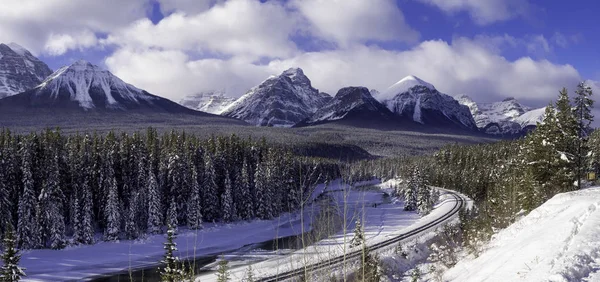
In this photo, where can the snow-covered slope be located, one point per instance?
(414, 98)
(282, 100)
(19, 70)
(351, 102)
(558, 241)
(506, 117)
(86, 87)
(213, 102)
(531, 118)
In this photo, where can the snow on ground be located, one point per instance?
(76, 263)
(383, 221)
(558, 241)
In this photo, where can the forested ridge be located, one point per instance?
(57, 189)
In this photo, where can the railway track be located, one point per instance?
(458, 205)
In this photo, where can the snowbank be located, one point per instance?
(559, 241)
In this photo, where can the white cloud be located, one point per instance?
(172, 74)
(463, 66)
(348, 21)
(484, 12)
(58, 44)
(237, 27)
(36, 24)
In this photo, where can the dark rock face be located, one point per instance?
(19, 70)
(282, 100)
(351, 103)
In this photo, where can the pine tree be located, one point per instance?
(583, 115)
(410, 192)
(223, 271)
(249, 274)
(172, 214)
(11, 272)
(263, 193)
(51, 198)
(194, 214)
(131, 229)
(229, 211)
(359, 235)
(369, 270)
(87, 230)
(211, 199)
(28, 236)
(171, 272)
(112, 211)
(247, 207)
(154, 210)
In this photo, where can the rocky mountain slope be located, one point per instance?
(213, 102)
(418, 100)
(282, 101)
(19, 70)
(351, 102)
(506, 117)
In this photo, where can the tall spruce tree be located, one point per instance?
(584, 117)
(154, 211)
(112, 211)
(227, 204)
(10, 272)
(28, 230)
(194, 206)
(171, 271)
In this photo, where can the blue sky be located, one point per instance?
(486, 49)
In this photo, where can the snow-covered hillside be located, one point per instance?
(414, 98)
(213, 102)
(506, 117)
(19, 70)
(282, 100)
(558, 241)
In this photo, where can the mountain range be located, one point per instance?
(28, 86)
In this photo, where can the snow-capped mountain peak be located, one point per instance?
(281, 100)
(508, 116)
(19, 70)
(405, 85)
(420, 101)
(18, 49)
(84, 82)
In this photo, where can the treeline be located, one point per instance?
(60, 189)
(509, 178)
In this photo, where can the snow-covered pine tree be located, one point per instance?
(28, 230)
(223, 271)
(10, 271)
(111, 208)
(211, 200)
(51, 199)
(410, 191)
(172, 214)
(131, 227)
(247, 207)
(359, 235)
(567, 139)
(87, 230)
(76, 218)
(194, 214)
(424, 202)
(171, 271)
(584, 117)
(263, 195)
(154, 211)
(227, 204)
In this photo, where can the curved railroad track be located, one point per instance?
(459, 203)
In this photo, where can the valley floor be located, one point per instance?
(558, 241)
